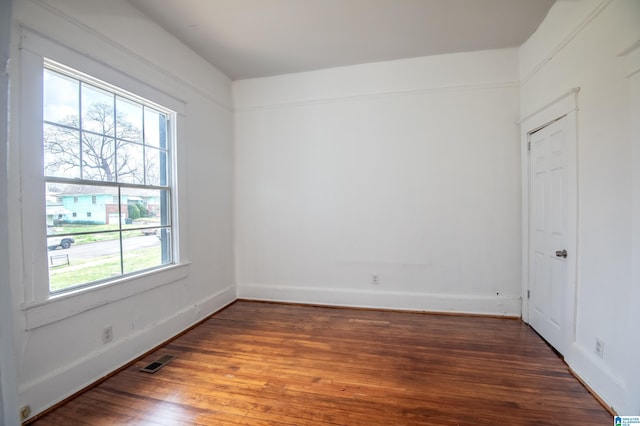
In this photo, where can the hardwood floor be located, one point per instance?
(270, 364)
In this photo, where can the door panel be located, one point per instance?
(548, 233)
(539, 273)
(557, 287)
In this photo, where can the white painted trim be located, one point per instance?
(379, 95)
(180, 190)
(559, 107)
(8, 362)
(74, 23)
(556, 106)
(45, 391)
(44, 46)
(427, 302)
(568, 39)
(32, 209)
(565, 105)
(632, 395)
(585, 365)
(40, 308)
(66, 305)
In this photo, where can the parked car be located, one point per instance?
(55, 242)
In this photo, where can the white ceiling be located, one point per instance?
(257, 38)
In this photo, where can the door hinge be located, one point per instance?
(528, 294)
(529, 146)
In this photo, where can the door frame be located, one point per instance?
(563, 106)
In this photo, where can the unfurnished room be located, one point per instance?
(320, 212)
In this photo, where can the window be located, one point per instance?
(128, 256)
(102, 144)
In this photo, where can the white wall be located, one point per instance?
(581, 44)
(407, 169)
(58, 359)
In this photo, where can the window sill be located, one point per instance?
(59, 307)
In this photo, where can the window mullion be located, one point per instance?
(144, 148)
(105, 183)
(116, 172)
(120, 232)
(80, 132)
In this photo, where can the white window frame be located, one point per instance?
(39, 306)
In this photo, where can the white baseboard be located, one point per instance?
(49, 390)
(468, 304)
(596, 374)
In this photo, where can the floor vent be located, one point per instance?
(158, 364)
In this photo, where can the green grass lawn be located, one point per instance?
(82, 272)
(92, 238)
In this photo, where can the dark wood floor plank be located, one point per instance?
(276, 364)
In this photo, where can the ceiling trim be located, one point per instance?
(568, 39)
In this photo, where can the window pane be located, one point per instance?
(85, 262)
(156, 167)
(128, 120)
(55, 210)
(97, 110)
(98, 159)
(130, 163)
(73, 202)
(155, 128)
(61, 151)
(146, 207)
(143, 251)
(60, 98)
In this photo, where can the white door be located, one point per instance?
(548, 224)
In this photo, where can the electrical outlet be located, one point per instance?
(375, 279)
(599, 349)
(107, 334)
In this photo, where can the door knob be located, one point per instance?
(561, 253)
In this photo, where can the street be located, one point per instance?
(104, 248)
